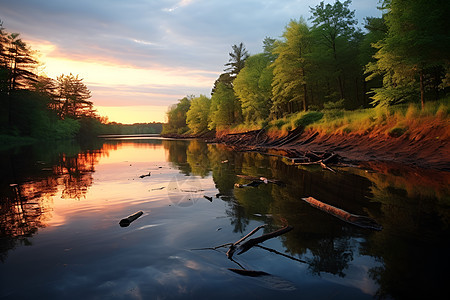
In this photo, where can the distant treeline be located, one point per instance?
(402, 57)
(44, 108)
(138, 128)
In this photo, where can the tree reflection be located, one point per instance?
(197, 158)
(177, 154)
(412, 206)
(30, 177)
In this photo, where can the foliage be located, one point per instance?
(308, 118)
(40, 107)
(225, 108)
(198, 114)
(73, 97)
(289, 70)
(137, 128)
(237, 60)
(334, 27)
(413, 56)
(176, 117)
(253, 87)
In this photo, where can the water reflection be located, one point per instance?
(412, 205)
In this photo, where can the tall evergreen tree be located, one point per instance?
(73, 97)
(237, 60)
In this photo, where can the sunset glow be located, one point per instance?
(119, 91)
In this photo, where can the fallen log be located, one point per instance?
(127, 221)
(358, 220)
(253, 242)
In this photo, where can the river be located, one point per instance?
(61, 204)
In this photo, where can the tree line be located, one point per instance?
(41, 107)
(401, 57)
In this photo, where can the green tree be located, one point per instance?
(333, 25)
(289, 85)
(414, 55)
(253, 87)
(176, 117)
(269, 45)
(20, 61)
(224, 78)
(198, 114)
(237, 60)
(73, 97)
(17, 72)
(225, 108)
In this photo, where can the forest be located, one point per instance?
(331, 71)
(37, 107)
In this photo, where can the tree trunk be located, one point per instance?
(364, 86)
(422, 92)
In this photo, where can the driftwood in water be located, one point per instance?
(361, 221)
(262, 179)
(253, 242)
(145, 175)
(233, 247)
(127, 221)
(311, 158)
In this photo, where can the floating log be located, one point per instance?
(145, 175)
(127, 221)
(361, 221)
(208, 198)
(160, 188)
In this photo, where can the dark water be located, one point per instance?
(61, 205)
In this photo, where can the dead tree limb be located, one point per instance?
(253, 242)
(233, 246)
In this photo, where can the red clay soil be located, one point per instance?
(425, 147)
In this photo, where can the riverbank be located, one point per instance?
(424, 147)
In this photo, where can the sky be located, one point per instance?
(138, 57)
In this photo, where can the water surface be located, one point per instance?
(61, 204)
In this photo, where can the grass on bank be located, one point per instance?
(394, 121)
